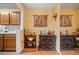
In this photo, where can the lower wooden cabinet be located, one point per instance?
(8, 42)
(1, 42)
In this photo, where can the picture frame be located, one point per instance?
(40, 20)
(65, 20)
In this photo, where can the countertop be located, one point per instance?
(9, 32)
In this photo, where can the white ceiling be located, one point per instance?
(40, 5)
(69, 5)
(51, 5)
(8, 6)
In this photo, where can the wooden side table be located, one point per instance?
(30, 41)
(77, 42)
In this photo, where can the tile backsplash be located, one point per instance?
(8, 28)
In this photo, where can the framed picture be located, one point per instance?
(40, 20)
(66, 20)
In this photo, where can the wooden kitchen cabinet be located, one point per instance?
(10, 42)
(7, 42)
(15, 18)
(1, 42)
(4, 18)
(10, 18)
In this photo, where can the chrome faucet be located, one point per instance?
(6, 29)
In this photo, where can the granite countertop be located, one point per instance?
(8, 32)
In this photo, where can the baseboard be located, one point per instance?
(21, 49)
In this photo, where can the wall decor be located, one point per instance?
(40, 20)
(66, 20)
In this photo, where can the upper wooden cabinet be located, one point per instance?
(15, 18)
(10, 18)
(4, 18)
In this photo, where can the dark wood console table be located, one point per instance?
(77, 41)
(30, 41)
(67, 42)
(47, 42)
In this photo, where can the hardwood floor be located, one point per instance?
(33, 51)
(70, 52)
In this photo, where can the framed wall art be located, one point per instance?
(65, 20)
(40, 20)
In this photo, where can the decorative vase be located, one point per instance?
(49, 33)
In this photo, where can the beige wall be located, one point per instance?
(22, 39)
(29, 21)
(75, 19)
(23, 10)
(51, 23)
(57, 25)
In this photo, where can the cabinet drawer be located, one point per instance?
(10, 35)
(11, 38)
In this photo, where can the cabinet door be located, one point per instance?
(10, 42)
(1, 42)
(4, 18)
(15, 18)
